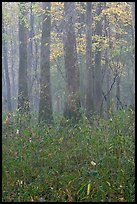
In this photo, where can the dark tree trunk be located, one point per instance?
(23, 100)
(6, 68)
(72, 103)
(98, 77)
(89, 71)
(45, 106)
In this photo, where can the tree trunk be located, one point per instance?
(133, 44)
(23, 100)
(89, 71)
(13, 74)
(98, 77)
(118, 91)
(45, 106)
(133, 15)
(72, 103)
(81, 19)
(106, 61)
(4, 106)
(5, 60)
(30, 56)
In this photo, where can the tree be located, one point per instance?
(5, 60)
(133, 15)
(45, 105)
(98, 77)
(133, 42)
(72, 103)
(23, 100)
(12, 72)
(106, 27)
(118, 92)
(30, 54)
(89, 94)
(107, 50)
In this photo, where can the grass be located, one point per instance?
(92, 161)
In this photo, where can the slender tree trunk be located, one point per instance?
(36, 62)
(45, 106)
(4, 107)
(118, 91)
(106, 61)
(81, 18)
(23, 99)
(133, 44)
(89, 71)
(5, 60)
(13, 74)
(133, 15)
(36, 84)
(72, 103)
(16, 67)
(97, 71)
(30, 55)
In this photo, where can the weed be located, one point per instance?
(84, 162)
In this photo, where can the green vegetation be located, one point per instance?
(90, 161)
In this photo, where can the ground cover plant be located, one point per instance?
(92, 160)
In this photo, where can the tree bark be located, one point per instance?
(98, 77)
(13, 74)
(45, 106)
(118, 91)
(6, 68)
(133, 15)
(72, 103)
(106, 61)
(4, 106)
(89, 71)
(133, 44)
(23, 99)
(30, 56)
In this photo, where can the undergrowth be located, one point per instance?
(90, 161)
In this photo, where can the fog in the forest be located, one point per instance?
(68, 101)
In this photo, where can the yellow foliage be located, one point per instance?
(80, 9)
(118, 11)
(81, 44)
(88, 188)
(57, 9)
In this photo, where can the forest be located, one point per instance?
(68, 101)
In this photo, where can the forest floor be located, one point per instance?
(91, 161)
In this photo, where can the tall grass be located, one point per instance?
(90, 161)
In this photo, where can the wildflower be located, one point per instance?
(17, 132)
(93, 163)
